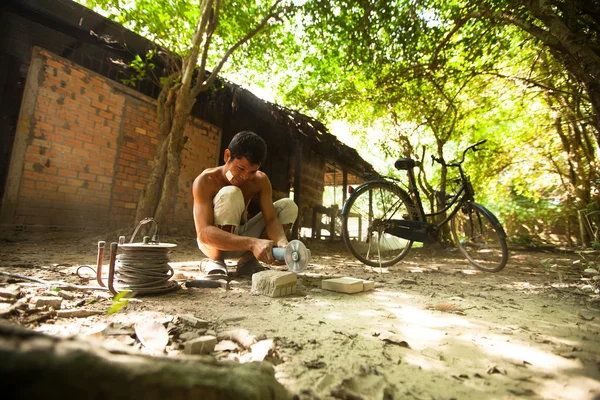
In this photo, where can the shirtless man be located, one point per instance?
(221, 198)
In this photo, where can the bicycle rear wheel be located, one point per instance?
(366, 217)
(480, 237)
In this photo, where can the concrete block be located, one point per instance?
(274, 283)
(347, 285)
(201, 345)
(50, 301)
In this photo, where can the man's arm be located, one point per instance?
(211, 236)
(273, 225)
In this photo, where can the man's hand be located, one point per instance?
(263, 250)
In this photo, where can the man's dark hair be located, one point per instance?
(250, 145)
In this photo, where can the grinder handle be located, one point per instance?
(279, 253)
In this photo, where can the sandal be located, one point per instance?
(249, 267)
(214, 269)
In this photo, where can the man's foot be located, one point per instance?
(249, 267)
(214, 269)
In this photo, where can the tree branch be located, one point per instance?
(272, 13)
(192, 58)
(212, 26)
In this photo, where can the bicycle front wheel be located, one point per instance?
(368, 213)
(480, 237)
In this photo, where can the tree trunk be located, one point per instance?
(148, 199)
(38, 366)
(173, 156)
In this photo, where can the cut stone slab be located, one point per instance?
(192, 321)
(368, 285)
(274, 283)
(50, 301)
(201, 345)
(347, 285)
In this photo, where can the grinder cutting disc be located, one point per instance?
(296, 256)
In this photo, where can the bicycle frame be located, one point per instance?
(464, 194)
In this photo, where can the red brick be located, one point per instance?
(44, 126)
(46, 186)
(81, 152)
(67, 173)
(75, 182)
(87, 177)
(74, 143)
(56, 179)
(83, 137)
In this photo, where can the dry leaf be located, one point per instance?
(153, 335)
(226, 345)
(261, 349)
(241, 336)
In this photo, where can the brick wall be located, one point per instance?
(84, 147)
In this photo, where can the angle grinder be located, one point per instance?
(295, 255)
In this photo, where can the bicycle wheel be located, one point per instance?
(366, 217)
(480, 237)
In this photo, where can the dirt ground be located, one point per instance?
(433, 327)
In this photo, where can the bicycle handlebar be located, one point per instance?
(456, 164)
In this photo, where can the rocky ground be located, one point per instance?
(433, 327)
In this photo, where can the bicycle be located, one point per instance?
(381, 220)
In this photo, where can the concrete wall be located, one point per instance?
(83, 151)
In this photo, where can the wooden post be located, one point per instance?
(297, 190)
(345, 185)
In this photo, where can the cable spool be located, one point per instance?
(143, 268)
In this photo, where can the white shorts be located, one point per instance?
(229, 207)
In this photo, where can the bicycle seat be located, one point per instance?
(404, 163)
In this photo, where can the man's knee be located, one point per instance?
(287, 210)
(229, 193)
(228, 206)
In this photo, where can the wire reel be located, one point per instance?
(142, 268)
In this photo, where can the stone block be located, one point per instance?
(201, 345)
(50, 301)
(274, 283)
(347, 285)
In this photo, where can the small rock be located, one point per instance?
(201, 345)
(185, 336)
(192, 321)
(66, 295)
(10, 292)
(50, 301)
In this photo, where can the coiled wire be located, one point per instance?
(143, 269)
